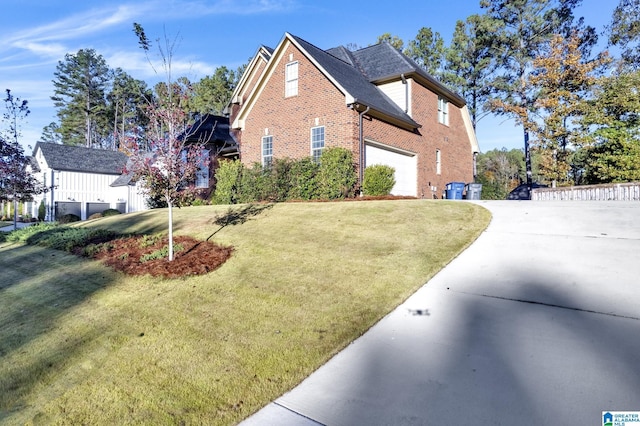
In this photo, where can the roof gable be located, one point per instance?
(338, 67)
(81, 159)
(383, 62)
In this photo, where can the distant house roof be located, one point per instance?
(80, 159)
(213, 130)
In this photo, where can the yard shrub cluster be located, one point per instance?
(378, 180)
(68, 218)
(59, 237)
(334, 177)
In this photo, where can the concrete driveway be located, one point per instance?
(537, 323)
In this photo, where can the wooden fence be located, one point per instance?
(604, 192)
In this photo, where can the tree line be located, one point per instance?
(536, 62)
(101, 107)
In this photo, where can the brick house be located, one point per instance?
(297, 99)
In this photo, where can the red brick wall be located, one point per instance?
(290, 119)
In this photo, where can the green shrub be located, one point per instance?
(68, 218)
(161, 253)
(95, 216)
(279, 180)
(149, 240)
(42, 211)
(252, 184)
(337, 174)
(228, 180)
(304, 185)
(378, 180)
(110, 212)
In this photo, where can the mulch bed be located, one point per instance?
(191, 256)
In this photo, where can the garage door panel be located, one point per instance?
(405, 166)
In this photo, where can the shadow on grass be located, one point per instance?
(32, 302)
(238, 216)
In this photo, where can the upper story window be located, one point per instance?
(443, 111)
(291, 79)
(267, 150)
(317, 143)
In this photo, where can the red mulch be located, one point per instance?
(196, 257)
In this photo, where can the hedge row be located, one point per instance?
(334, 177)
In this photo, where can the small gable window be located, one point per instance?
(291, 79)
(267, 150)
(443, 111)
(317, 143)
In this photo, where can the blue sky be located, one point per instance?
(36, 34)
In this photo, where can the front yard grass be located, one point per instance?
(83, 344)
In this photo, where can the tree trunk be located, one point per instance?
(170, 228)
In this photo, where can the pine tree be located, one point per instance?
(428, 50)
(470, 63)
(79, 95)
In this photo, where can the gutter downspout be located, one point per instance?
(406, 94)
(361, 146)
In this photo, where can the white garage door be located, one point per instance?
(404, 163)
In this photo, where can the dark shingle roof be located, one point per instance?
(213, 131)
(354, 81)
(81, 159)
(383, 61)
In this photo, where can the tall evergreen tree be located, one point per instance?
(79, 95)
(470, 63)
(393, 40)
(51, 133)
(212, 93)
(624, 32)
(126, 103)
(428, 51)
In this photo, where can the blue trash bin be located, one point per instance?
(454, 190)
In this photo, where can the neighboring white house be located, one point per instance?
(79, 181)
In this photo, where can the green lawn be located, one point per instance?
(82, 344)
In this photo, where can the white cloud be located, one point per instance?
(137, 65)
(45, 40)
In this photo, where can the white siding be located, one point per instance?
(86, 188)
(398, 92)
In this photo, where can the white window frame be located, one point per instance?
(267, 150)
(317, 142)
(291, 79)
(438, 162)
(443, 111)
